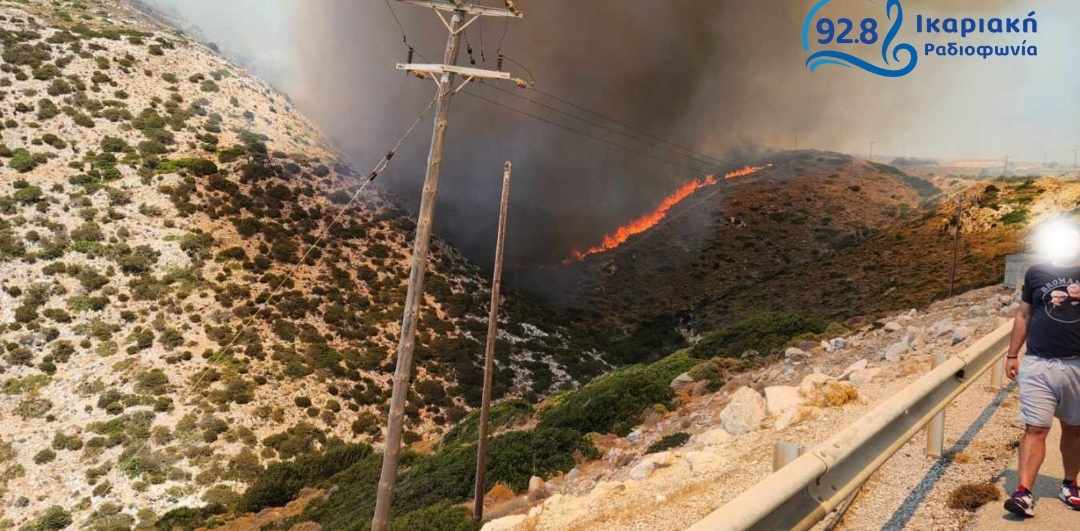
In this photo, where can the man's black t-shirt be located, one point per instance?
(1054, 294)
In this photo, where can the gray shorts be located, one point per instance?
(1049, 388)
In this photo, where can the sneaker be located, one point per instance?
(1021, 504)
(1070, 496)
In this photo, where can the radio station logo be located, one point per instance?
(876, 46)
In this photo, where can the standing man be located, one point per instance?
(1049, 373)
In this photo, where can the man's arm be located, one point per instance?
(1017, 339)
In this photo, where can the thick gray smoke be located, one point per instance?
(715, 76)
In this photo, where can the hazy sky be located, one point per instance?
(713, 75)
(954, 107)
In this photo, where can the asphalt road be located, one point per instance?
(1050, 513)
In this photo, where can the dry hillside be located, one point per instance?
(159, 342)
(815, 234)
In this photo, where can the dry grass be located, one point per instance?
(498, 494)
(971, 496)
(835, 394)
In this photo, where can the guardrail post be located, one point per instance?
(997, 374)
(935, 429)
(784, 453)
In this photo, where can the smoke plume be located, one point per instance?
(716, 77)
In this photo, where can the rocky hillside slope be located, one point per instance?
(160, 339)
(815, 235)
(716, 438)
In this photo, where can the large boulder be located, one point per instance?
(863, 376)
(811, 382)
(896, 351)
(960, 334)
(857, 366)
(781, 398)
(795, 415)
(712, 437)
(745, 412)
(650, 463)
(506, 523)
(942, 328)
(537, 489)
(794, 353)
(682, 381)
(835, 344)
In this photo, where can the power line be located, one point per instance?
(617, 122)
(631, 151)
(633, 136)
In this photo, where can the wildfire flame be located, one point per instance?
(650, 220)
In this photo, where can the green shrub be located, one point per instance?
(92, 280)
(112, 144)
(613, 402)
(88, 232)
(46, 455)
(713, 371)
(152, 382)
(11, 246)
(764, 332)
(187, 518)
(23, 161)
(199, 167)
(54, 517)
(1016, 217)
(446, 477)
(502, 415)
(296, 440)
(674, 440)
(47, 109)
(282, 481)
(438, 517)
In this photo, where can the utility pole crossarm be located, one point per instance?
(472, 9)
(462, 71)
(443, 75)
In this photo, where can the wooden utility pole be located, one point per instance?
(489, 348)
(443, 76)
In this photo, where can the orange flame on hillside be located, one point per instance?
(650, 220)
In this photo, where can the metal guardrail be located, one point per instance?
(809, 488)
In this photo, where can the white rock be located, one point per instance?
(704, 461)
(893, 326)
(781, 398)
(506, 523)
(712, 437)
(573, 474)
(681, 381)
(650, 463)
(857, 366)
(794, 352)
(835, 344)
(811, 382)
(960, 334)
(536, 511)
(794, 416)
(536, 485)
(634, 436)
(744, 413)
(863, 376)
(942, 328)
(896, 351)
